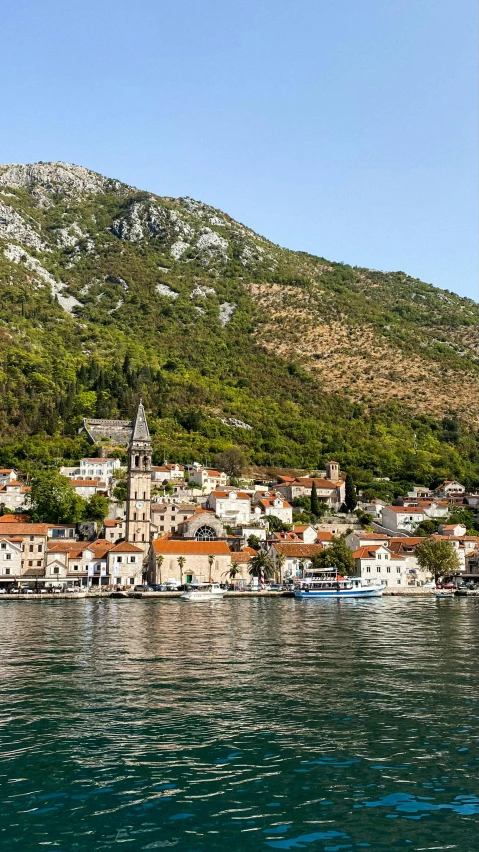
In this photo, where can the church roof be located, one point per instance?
(140, 426)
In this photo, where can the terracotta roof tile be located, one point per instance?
(191, 548)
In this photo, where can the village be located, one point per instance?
(187, 524)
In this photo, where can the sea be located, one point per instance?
(246, 724)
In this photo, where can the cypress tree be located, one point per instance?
(350, 496)
(314, 500)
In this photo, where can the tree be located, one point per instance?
(159, 563)
(314, 504)
(53, 500)
(119, 491)
(233, 461)
(181, 563)
(277, 525)
(438, 557)
(261, 563)
(96, 507)
(350, 496)
(337, 556)
(279, 561)
(254, 542)
(211, 560)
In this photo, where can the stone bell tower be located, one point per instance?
(138, 495)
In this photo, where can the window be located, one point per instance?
(4, 546)
(398, 570)
(379, 556)
(7, 570)
(30, 548)
(75, 567)
(368, 570)
(119, 559)
(40, 548)
(388, 569)
(162, 529)
(399, 582)
(162, 517)
(39, 562)
(32, 538)
(8, 556)
(30, 563)
(132, 558)
(378, 569)
(205, 533)
(55, 570)
(132, 581)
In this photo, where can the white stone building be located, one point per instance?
(232, 507)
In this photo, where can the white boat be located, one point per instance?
(335, 586)
(199, 592)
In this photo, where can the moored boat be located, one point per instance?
(335, 586)
(199, 592)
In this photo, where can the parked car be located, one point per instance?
(2, 591)
(157, 587)
(140, 588)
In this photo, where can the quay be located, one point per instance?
(413, 591)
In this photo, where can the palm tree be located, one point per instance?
(211, 559)
(159, 563)
(261, 563)
(181, 563)
(279, 561)
(233, 571)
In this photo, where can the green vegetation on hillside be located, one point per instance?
(150, 324)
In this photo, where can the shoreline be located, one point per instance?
(411, 592)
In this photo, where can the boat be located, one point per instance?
(335, 586)
(199, 592)
(445, 593)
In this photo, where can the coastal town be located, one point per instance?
(177, 524)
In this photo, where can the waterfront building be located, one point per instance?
(188, 560)
(292, 558)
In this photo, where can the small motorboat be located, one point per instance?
(445, 593)
(201, 592)
(335, 586)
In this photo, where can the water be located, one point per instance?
(242, 725)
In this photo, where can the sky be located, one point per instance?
(345, 128)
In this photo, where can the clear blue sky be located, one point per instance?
(346, 128)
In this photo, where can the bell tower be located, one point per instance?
(138, 494)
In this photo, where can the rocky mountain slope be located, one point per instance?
(108, 291)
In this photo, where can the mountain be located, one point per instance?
(109, 293)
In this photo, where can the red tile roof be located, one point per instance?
(26, 529)
(125, 547)
(191, 548)
(297, 549)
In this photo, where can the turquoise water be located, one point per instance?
(242, 725)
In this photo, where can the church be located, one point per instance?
(198, 549)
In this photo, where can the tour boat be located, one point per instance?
(335, 586)
(203, 592)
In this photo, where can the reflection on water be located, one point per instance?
(249, 724)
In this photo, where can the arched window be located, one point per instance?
(205, 533)
(146, 462)
(137, 461)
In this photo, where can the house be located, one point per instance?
(86, 488)
(407, 519)
(125, 564)
(247, 530)
(452, 529)
(330, 489)
(406, 547)
(306, 533)
(325, 537)
(33, 540)
(200, 560)
(167, 472)
(97, 563)
(273, 503)
(376, 562)
(233, 507)
(166, 517)
(14, 494)
(10, 560)
(358, 538)
(450, 488)
(207, 479)
(113, 529)
(241, 560)
(8, 474)
(292, 558)
(101, 469)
